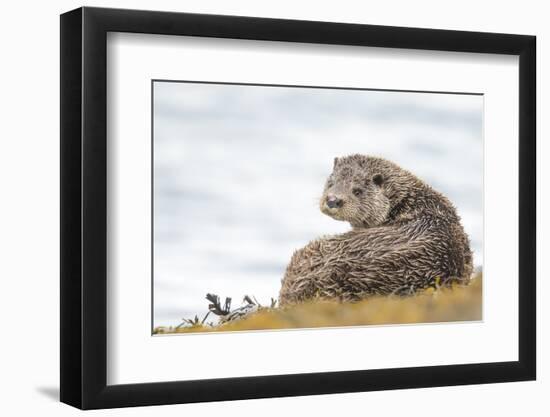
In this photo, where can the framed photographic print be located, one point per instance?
(258, 207)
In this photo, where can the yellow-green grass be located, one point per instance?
(458, 303)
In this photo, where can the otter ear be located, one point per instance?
(335, 162)
(378, 179)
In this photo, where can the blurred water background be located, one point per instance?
(238, 171)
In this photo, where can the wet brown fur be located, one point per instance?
(405, 237)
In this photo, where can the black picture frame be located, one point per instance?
(84, 207)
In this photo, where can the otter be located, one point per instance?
(405, 237)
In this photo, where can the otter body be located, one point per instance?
(405, 237)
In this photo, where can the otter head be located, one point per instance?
(356, 191)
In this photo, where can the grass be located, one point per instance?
(457, 303)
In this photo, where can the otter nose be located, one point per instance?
(334, 202)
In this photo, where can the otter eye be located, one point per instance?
(357, 192)
(329, 184)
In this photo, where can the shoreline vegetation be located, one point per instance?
(442, 304)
